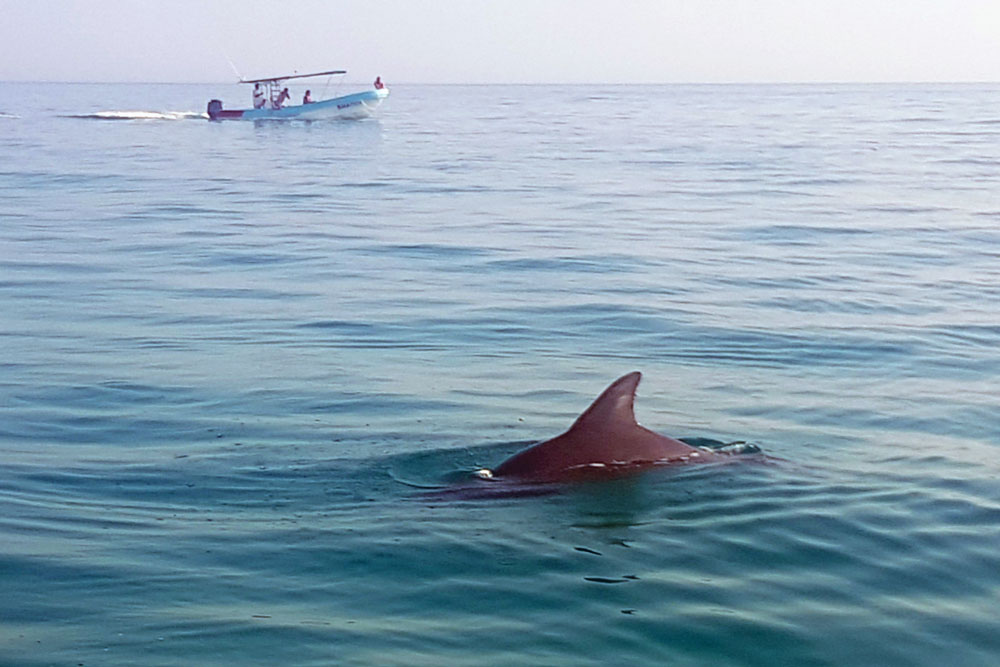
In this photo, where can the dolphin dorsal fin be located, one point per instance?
(614, 407)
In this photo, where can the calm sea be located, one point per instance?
(236, 357)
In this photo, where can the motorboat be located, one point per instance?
(271, 95)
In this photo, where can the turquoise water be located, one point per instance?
(241, 361)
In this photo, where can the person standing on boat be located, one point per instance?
(258, 96)
(284, 95)
(378, 83)
(307, 98)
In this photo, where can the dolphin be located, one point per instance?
(606, 437)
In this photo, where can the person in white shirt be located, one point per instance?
(258, 96)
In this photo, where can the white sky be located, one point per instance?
(481, 41)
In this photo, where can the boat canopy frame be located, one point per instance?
(274, 84)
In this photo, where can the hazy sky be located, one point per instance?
(480, 41)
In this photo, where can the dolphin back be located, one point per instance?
(606, 434)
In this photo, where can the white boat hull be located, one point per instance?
(354, 106)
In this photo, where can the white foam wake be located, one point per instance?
(142, 115)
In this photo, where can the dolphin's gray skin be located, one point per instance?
(605, 436)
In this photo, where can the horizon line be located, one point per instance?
(830, 82)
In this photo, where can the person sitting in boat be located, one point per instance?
(378, 83)
(307, 98)
(282, 96)
(258, 96)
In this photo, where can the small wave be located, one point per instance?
(6, 115)
(140, 115)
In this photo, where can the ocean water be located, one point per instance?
(241, 363)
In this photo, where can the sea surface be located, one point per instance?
(241, 364)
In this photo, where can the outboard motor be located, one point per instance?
(214, 109)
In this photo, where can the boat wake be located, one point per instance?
(4, 115)
(141, 115)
